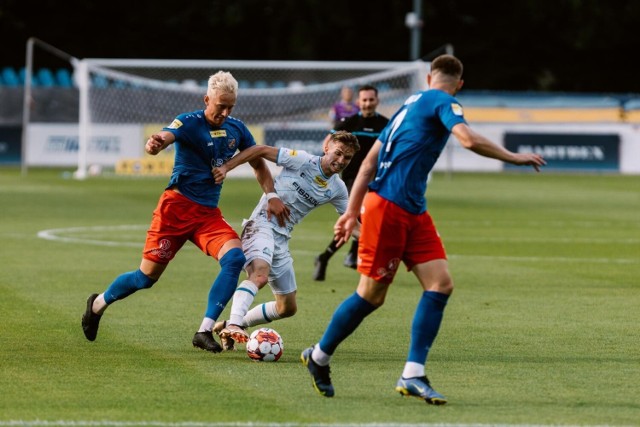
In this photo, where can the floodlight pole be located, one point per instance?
(413, 21)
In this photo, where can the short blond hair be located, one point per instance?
(222, 81)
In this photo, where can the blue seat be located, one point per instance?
(10, 77)
(98, 80)
(63, 77)
(45, 77)
(261, 84)
(278, 84)
(244, 84)
(22, 74)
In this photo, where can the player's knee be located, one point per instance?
(234, 260)
(287, 309)
(142, 281)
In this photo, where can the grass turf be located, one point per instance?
(541, 329)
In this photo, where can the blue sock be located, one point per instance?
(345, 320)
(225, 284)
(126, 284)
(425, 326)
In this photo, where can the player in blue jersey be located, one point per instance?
(188, 208)
(366, 125)
(396, 226)
(305, 183)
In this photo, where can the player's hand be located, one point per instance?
(344, 227)
(276, 207)
(154, 144)
(219, 173)
(530, 159)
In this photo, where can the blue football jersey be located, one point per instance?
(199, 147)
(411, 143)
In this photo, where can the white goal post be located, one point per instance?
(282, 102)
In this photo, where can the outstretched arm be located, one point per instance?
(248, 155)
(482, 146)
(158, 142)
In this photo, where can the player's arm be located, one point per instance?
(275, 206)
(348, 221)
(158, 142)
(477, 143)
(253, 155)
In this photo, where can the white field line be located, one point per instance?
(105, 423)
(66, 235)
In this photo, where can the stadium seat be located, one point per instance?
(45, 77)
(278, 84)
(244, 84)
(63, 77)
(99, 81)
(22, 74)
(10, 77)
(261, 84)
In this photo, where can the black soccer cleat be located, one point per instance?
(90, 320)
(320, 264)
(205, 341)
(320, 374)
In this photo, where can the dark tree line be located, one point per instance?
(539, 45)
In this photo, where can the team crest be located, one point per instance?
(232, 144)
(320, 181)
(175, 124)
(457, 109)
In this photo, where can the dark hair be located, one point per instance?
(347, 138)
(368, 87)
(447, 64)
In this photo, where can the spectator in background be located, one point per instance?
(188, 207)
(343, 108)
(366, 125)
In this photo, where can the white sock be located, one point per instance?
(263, 313)
(206, 325)
(242, 300)
(320, 357)
(412, 370)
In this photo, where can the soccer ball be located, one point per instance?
(265, 345)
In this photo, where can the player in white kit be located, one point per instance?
(305, 182)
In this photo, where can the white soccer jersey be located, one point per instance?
(302, 186)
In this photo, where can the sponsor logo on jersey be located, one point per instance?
(306, 196)
(175, 124)
(457, 109)
(221, 133)
(293, 153)
(320, 181)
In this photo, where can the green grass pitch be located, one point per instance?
(542, 329)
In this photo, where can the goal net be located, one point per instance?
(284, 103)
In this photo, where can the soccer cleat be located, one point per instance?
(90, 320)
(205, 341)
(234, 332)
(351, 260)
(320, 374)
(320, 264)
(227, 342)
(421, 388)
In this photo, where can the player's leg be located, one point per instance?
(283, 286)
(123, 286)
(160, 248)
(431, 268)
(321, 262)
(351, 259)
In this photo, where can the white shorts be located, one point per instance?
(259, 241)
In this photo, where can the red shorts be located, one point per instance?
(177, 219)
(390, 234)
